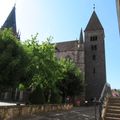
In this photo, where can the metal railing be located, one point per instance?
(106, 92)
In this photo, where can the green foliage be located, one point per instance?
(21, 87)
(34, 65)
(43, 67)
(50, 74)
(13, 60)
(55, 97)
(37, 96)
(72, 82)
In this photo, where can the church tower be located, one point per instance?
(11, 21)
(95, 71)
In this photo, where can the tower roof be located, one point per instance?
(11, 21)
(94, 23)
(81, 36)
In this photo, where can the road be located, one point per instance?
(81, 113)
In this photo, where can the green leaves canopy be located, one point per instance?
(43, 65)
(13, 60)
(72, 82)
(34, 65)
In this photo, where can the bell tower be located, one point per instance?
(95, 71)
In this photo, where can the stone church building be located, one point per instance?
(88, 52)
(89, 55)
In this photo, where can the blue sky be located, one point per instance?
(63, 20)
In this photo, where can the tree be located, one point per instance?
(13, 60)
(52, 76)
(72, 82)
(44, 68)
(35, 66)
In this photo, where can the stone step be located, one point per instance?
(112, 118)
(114, 107)
(114, 98)
(113, 104)
(113, 115)
(117, 111)
(115, 101)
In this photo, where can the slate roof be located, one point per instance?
(94, 23)
(11, 21)
(67, 46)
(81, 36)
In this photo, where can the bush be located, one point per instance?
(55, 98)
(37, 97)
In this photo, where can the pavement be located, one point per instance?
(7, 104)
(79, 113)
(10, 104)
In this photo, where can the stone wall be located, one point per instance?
(10, 112)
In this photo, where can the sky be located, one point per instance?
(63, 20)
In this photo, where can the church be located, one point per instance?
(88, 52)
(89, 55)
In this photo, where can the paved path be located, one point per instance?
(82, 113)
(6, 104)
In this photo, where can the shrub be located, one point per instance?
(37, 97)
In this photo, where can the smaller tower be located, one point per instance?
(80, 53)
(11, 21)
(81, 36)
(118, 12)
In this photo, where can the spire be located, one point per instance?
(94, 23)
(93, 7)
(11, 21)
(81, 36)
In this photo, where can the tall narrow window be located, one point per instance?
(93, 47)
(94, 71)
(93, 38)
(94, 57)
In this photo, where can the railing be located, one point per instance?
(106, 92)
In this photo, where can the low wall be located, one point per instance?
(10, 112)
